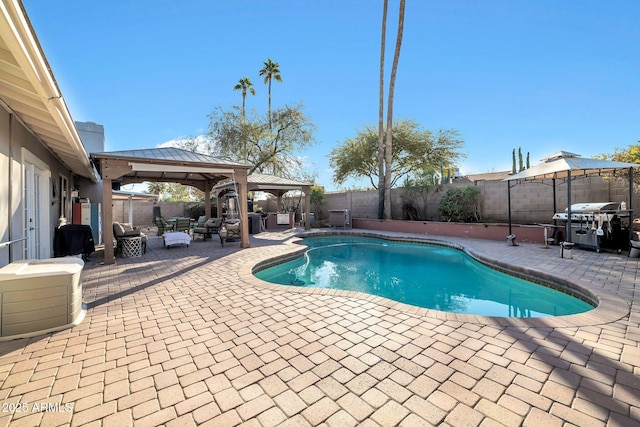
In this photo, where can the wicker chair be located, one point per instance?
(123, 230)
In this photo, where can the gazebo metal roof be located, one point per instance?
(165, 165)
(263, 182)
(168, 164)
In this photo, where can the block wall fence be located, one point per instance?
(531, 202)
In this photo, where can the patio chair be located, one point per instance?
(183, 224)
(212, 226)
(163, 226)
(229, 232)
(200, 222)
(125, 230)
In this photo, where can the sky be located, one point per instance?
(542, 75)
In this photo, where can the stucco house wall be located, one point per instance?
(15, 138)
(40, 149)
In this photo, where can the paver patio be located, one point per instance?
(185, 336)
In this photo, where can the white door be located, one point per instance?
(35, 202)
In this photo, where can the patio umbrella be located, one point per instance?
(565, 165)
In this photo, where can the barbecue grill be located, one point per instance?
(596, 225)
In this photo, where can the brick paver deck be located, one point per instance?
(186, 336)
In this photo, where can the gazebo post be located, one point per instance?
(107, 225)
(307, 206)
(130, 198)
(509, 204)
(218, 205)
(630, 204)
(555, 207)
(567, 237)
(241, 180)
(207, 199)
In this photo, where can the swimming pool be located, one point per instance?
(423, 275)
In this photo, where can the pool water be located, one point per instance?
(422, 275)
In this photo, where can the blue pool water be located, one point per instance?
(422, 275)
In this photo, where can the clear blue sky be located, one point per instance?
(544, 75)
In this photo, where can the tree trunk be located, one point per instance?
(389, 144)
(269, 108)
(381, 155)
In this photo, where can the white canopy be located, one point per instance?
(563, 164)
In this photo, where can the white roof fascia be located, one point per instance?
(17, 33)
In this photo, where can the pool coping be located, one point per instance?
(610, 307)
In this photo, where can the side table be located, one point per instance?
(131, 247)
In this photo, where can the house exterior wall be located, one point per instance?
(5, 187)
(14, 138)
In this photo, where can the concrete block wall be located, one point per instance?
(531, 202)
(143, 211)
(363, 204)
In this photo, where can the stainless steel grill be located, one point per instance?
(596, 225)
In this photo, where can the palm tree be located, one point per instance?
(245, 86)
(381, 117)
(270, 71)
(156, 188)
(389, 145)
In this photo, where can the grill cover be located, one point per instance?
(593, 207)
(586, 211)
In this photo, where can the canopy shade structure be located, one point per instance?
(165, 165)
(565, 165)
(268, 183)
(272, 184)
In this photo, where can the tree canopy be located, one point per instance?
(631, 154)
(174, 192)
(245, 86)
(267, 147)
(415, 150)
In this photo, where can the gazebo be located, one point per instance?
(274, 185)
(166, 165)
(567, 166)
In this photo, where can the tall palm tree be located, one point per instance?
(270, 71)
(388, 144)
(381, 156)
(245, 86)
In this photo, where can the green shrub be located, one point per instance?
(317, 199)
(197, 210)
(461, 204)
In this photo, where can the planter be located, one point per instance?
(524, 233)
